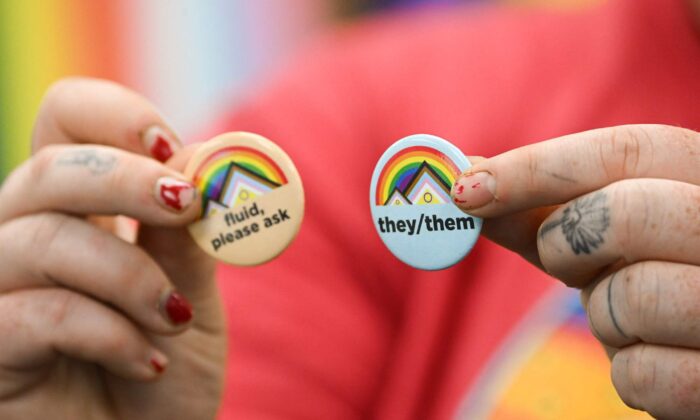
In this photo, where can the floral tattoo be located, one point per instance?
(583, 223)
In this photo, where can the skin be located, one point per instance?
(626, 234)
(81, 301)
(81, 298)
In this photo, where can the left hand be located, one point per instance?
(94, 313)
(614, 212)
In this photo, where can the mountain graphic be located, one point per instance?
(240, 185)
(397, 199)
(424, 187)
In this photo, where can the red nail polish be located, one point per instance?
(157, 366)
(178, 309)
(477, 190)
(159, 143)
(161, 149)
(174, 193)
(171, 195)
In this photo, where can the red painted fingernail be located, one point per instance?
(474, 190)
(174, 194)
(159, 143)
(157, 366)
(158, 362)
(161, 150)
(177, 308)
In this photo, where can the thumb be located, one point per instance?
(517, 231)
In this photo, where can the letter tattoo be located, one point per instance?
(97, 162)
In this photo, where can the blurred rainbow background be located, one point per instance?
(187, 57)
(154, 47)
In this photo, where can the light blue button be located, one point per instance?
(411, 206)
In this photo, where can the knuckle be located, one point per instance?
(630, 214)
(685, 380)
(60, 307)
(620, 206)
(118, 178)
(61, 92)
(122, 178)
(27, 176)
(631, 302)
(688, 140)
(636, 151)
(532, 166)
(12, 184)
(670, 134)
(685, 307)
(620, 378)
(651, 300)
(53, 101)
(593, 296)
(626, 151)
(133, 274)
(641, 287)
(41, 161)
(45, 231)
(65, 93)
(639, 375)
(58, 89)
(116, 341)
(13, 319)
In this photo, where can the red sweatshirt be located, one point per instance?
(337, 328)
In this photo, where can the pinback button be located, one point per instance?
(252, 198)
(411, 205)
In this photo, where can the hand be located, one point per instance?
(615, 212)
(97, 324)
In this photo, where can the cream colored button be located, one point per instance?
(252, 198)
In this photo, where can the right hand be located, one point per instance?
(614, 212)
(94, 323)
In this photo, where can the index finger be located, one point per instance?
(558, 170)
(83, 110)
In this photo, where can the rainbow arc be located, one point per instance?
(235, 176)
(416, 176)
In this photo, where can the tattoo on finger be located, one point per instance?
(610, 308)
(97, 162)
(584, 222)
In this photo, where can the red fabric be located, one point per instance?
(337, 328)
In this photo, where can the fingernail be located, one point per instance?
(174, 194)
(176, 308)
(474, 190)
(159, 143)
(159, 362)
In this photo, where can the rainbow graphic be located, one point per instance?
(416, 175)
(135, 43)
(236, 175)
